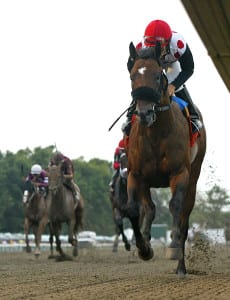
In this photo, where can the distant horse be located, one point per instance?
(119, 200)
(35, 216)
(160, 155)
(61, 209)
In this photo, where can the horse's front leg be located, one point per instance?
(134, 190)
(26, 230)
(38, 237)
(180, 208)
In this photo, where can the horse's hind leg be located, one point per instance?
(120, 229)
(124, 238)
(72, 239)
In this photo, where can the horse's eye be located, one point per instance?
(158, 77)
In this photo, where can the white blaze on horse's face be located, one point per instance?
(142, 70)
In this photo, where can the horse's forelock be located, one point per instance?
(146, 53)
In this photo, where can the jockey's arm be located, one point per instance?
(187, 68)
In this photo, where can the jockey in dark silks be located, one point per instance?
(38, 177)
(67, 169)
(116, 163)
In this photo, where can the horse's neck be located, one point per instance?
(35, 199)
(165, 118)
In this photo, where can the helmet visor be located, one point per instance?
(150, 41)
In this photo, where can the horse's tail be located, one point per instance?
(79, 215)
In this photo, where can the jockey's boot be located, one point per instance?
(126, 127)
(195, 119)
(25, 197)
(113, 180)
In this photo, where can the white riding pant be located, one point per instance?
(172, 71)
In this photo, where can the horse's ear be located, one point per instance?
(132, 56)
(158, 50)
(132, 50)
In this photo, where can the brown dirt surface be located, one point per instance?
(98, 273)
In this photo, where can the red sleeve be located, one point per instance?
(116, 165)
(117, 150)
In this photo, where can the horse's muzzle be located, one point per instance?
(147, 118)
(146, 94)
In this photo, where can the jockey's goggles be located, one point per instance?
(151, 41)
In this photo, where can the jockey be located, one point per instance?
(177, 60)
(37, 176)
(68, 171)
(116, 163)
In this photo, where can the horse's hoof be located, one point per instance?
(28, 250)
(75, 252)
(37, 254)
(181, 275)
(174, 253)
(63, 257)
(127, 247)
(146, 255)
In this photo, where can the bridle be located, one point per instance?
(153, 96)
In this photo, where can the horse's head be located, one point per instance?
(55, 178)
(149, 83)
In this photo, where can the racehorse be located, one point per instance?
(35, 216)
(160, 155)
(61, 209)
(119, 200)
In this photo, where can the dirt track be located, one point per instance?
(100, 274)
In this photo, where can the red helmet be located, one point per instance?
(121, 144)
(157, 30)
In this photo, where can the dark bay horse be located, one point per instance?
(35, 216)
(119, 200)
(160, 155)
(62, 209)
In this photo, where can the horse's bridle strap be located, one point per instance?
(162, 108)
